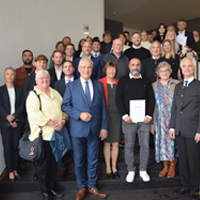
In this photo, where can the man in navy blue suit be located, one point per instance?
(96, 72)
(84, 103)
(68, 70)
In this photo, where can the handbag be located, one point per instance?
(60, 143)
(31, 150)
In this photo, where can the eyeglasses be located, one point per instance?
(164, 71)
(44, 78)
(120, 45)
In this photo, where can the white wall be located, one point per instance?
(39, 24)
(130, 30)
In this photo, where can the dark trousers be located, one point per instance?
(10, 137)
(86, 151)
(47, 169)
(189, 163)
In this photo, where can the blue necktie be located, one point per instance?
(87, 92)
(186, 84)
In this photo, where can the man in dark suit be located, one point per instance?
(68, 70)
(185, 126)
(149, 65)
(182, 33)
(29, 82)
(84, 103)
(106, 44)
(96, 73)
(56, 72)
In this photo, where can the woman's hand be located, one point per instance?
(10, 118)
(59, 125)
(152, 129)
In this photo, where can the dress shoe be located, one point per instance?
(182, 191)
(12, 180)
(18, 177)
(145, 177)
(95, 191)
(130, 177)
(109, 175)
(116, 174)
(35, 176)
(46, 196)
(81, 194)
(55, 194)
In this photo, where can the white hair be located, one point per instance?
(42, 71)
(192, 59)
(82, 59)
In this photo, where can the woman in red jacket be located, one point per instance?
(114, 119)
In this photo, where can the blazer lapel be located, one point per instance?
(7, 99)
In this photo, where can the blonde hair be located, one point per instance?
(171, 31)
(172, 54)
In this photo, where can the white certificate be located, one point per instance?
(181, 40)
(137, 110)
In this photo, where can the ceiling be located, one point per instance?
(147, 14)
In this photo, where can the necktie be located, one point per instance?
(95, 55)
(186, 84)
(87, 92)
(68, 81)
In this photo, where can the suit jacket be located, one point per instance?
(96, 73)
(190, 40)
(185, 111)
(75, 102)
(5, 104)
(148, 70)
(60, 86)
(53, 75)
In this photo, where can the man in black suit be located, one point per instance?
(183, 34)
(149, 65)
(129, 43)
(29, 81)
(68, 70)
(185, 126)
(56, 72)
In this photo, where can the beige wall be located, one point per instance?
(38, 25)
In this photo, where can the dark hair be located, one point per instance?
(109, 64)
(158, 36)
(27, 50)
(122, 33)
(70, 44)
(60, 42)
(69, 62)
(126, 32)
(96, 41)
(57, 51)
(96, 38)
(136, 32)
(106, 33)
(79, 44)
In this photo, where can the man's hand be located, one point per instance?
(103, 134)
(14, 125)
(197, 137)
(59, 125)
(172, 134)
(147, 120)
(85, 116)
(128, 120)
(10, 118)
(152, 129)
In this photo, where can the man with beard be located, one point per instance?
(137, 51)
(26, 70)
(196, 39)
(134, 87)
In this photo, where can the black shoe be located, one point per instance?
(182, 191)
(18, 177)
(109, 175)
(12, 180)
(55, 194)
(35, 176)
(116, 174)
(46, 196)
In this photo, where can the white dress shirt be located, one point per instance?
(90, 86)
(68, 80)
(11, 94)
(58, 72)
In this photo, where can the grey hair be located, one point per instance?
(11, 68)
(162, 65)
(192, 59)
(42, 71)
(82, 59)
(155, 42)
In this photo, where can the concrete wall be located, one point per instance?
(38, 25)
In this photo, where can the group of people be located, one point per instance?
(92, 91)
